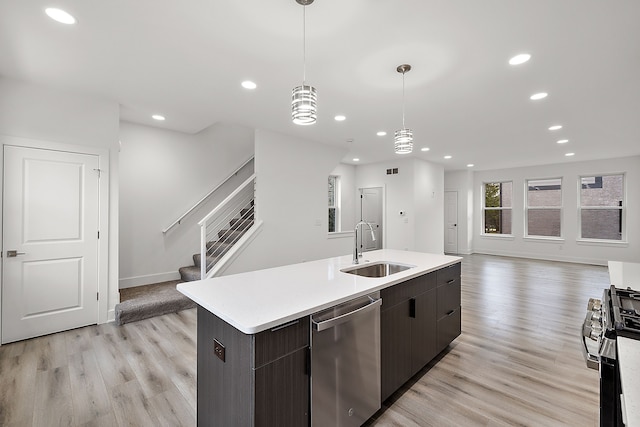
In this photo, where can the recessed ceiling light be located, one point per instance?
(539, 95)
(60, 15)
(158, 117)
(339, 118)
(555, 127)
(520, 59)
(447, 157)
(563, 141)
(424, 149)
(381, 133)
(356, 159)
(470, 165)
(248, 84)
(570, 154)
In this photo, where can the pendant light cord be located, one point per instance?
(403, 127)
(304, 44)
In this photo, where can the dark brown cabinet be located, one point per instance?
(263, 379)
(407, 330)
(418, 319)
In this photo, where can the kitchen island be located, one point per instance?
(253, 330)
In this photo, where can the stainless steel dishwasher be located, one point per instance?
(345, 363)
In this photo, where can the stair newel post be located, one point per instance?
(203, 250)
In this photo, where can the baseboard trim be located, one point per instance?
(131, 282)
(576, 260)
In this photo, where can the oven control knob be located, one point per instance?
(594, 304)
(596, 315)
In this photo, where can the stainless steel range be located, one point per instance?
(616, 315)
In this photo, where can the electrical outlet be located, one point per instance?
(218, 349)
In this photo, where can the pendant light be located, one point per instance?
(403, 139)
(304, 97)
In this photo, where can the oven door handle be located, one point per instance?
(593, 361)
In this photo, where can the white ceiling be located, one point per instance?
(186, 60)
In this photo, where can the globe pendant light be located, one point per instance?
(304, 97)
(403, 139)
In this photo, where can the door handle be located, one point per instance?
(412, 308)
(11, 254)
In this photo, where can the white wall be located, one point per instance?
(569, 249)
(291, 199)
(417, 189)
(462, 183)
(163, 174)
(40, 113)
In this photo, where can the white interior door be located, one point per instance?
(50, 242)
(451, 222)
(371, 211)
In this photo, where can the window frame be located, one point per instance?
(541, 208)
(621, 208)
(499, 208)
(336, 203)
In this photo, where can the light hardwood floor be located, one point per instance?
(517, 362)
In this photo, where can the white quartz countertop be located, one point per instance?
(258, 300)
(629, 362)
(627, 275)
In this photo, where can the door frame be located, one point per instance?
(103, 209)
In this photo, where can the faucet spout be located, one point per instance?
(355, 242)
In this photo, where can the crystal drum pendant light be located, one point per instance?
(403, 139)
(304, 97)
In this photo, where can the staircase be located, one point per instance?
(226, 238)
(222, 235)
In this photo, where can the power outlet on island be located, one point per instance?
(218, 349)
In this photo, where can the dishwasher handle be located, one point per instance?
(330, 323)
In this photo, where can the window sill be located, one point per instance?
(544, 239)
(596, 242)
(340, 235)
(498, 236)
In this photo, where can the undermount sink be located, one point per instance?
(378, 269)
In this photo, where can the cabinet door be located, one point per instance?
(395, 348)
(282, 392)
(449, 327)
(423, 330)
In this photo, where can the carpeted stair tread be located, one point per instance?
(230, 236)
(210, 260)
(189, 273)
(143, 302)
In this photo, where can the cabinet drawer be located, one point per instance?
(448, 298)
(449, 327)
(281, 340)
(447, 274)
(396, 294)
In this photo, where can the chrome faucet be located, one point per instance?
(355, 245)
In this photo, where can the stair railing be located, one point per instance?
(202, 200)
(226, 224)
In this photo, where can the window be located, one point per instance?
(602, 207)
(497, 207)
(334, 204)
(544, 207)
